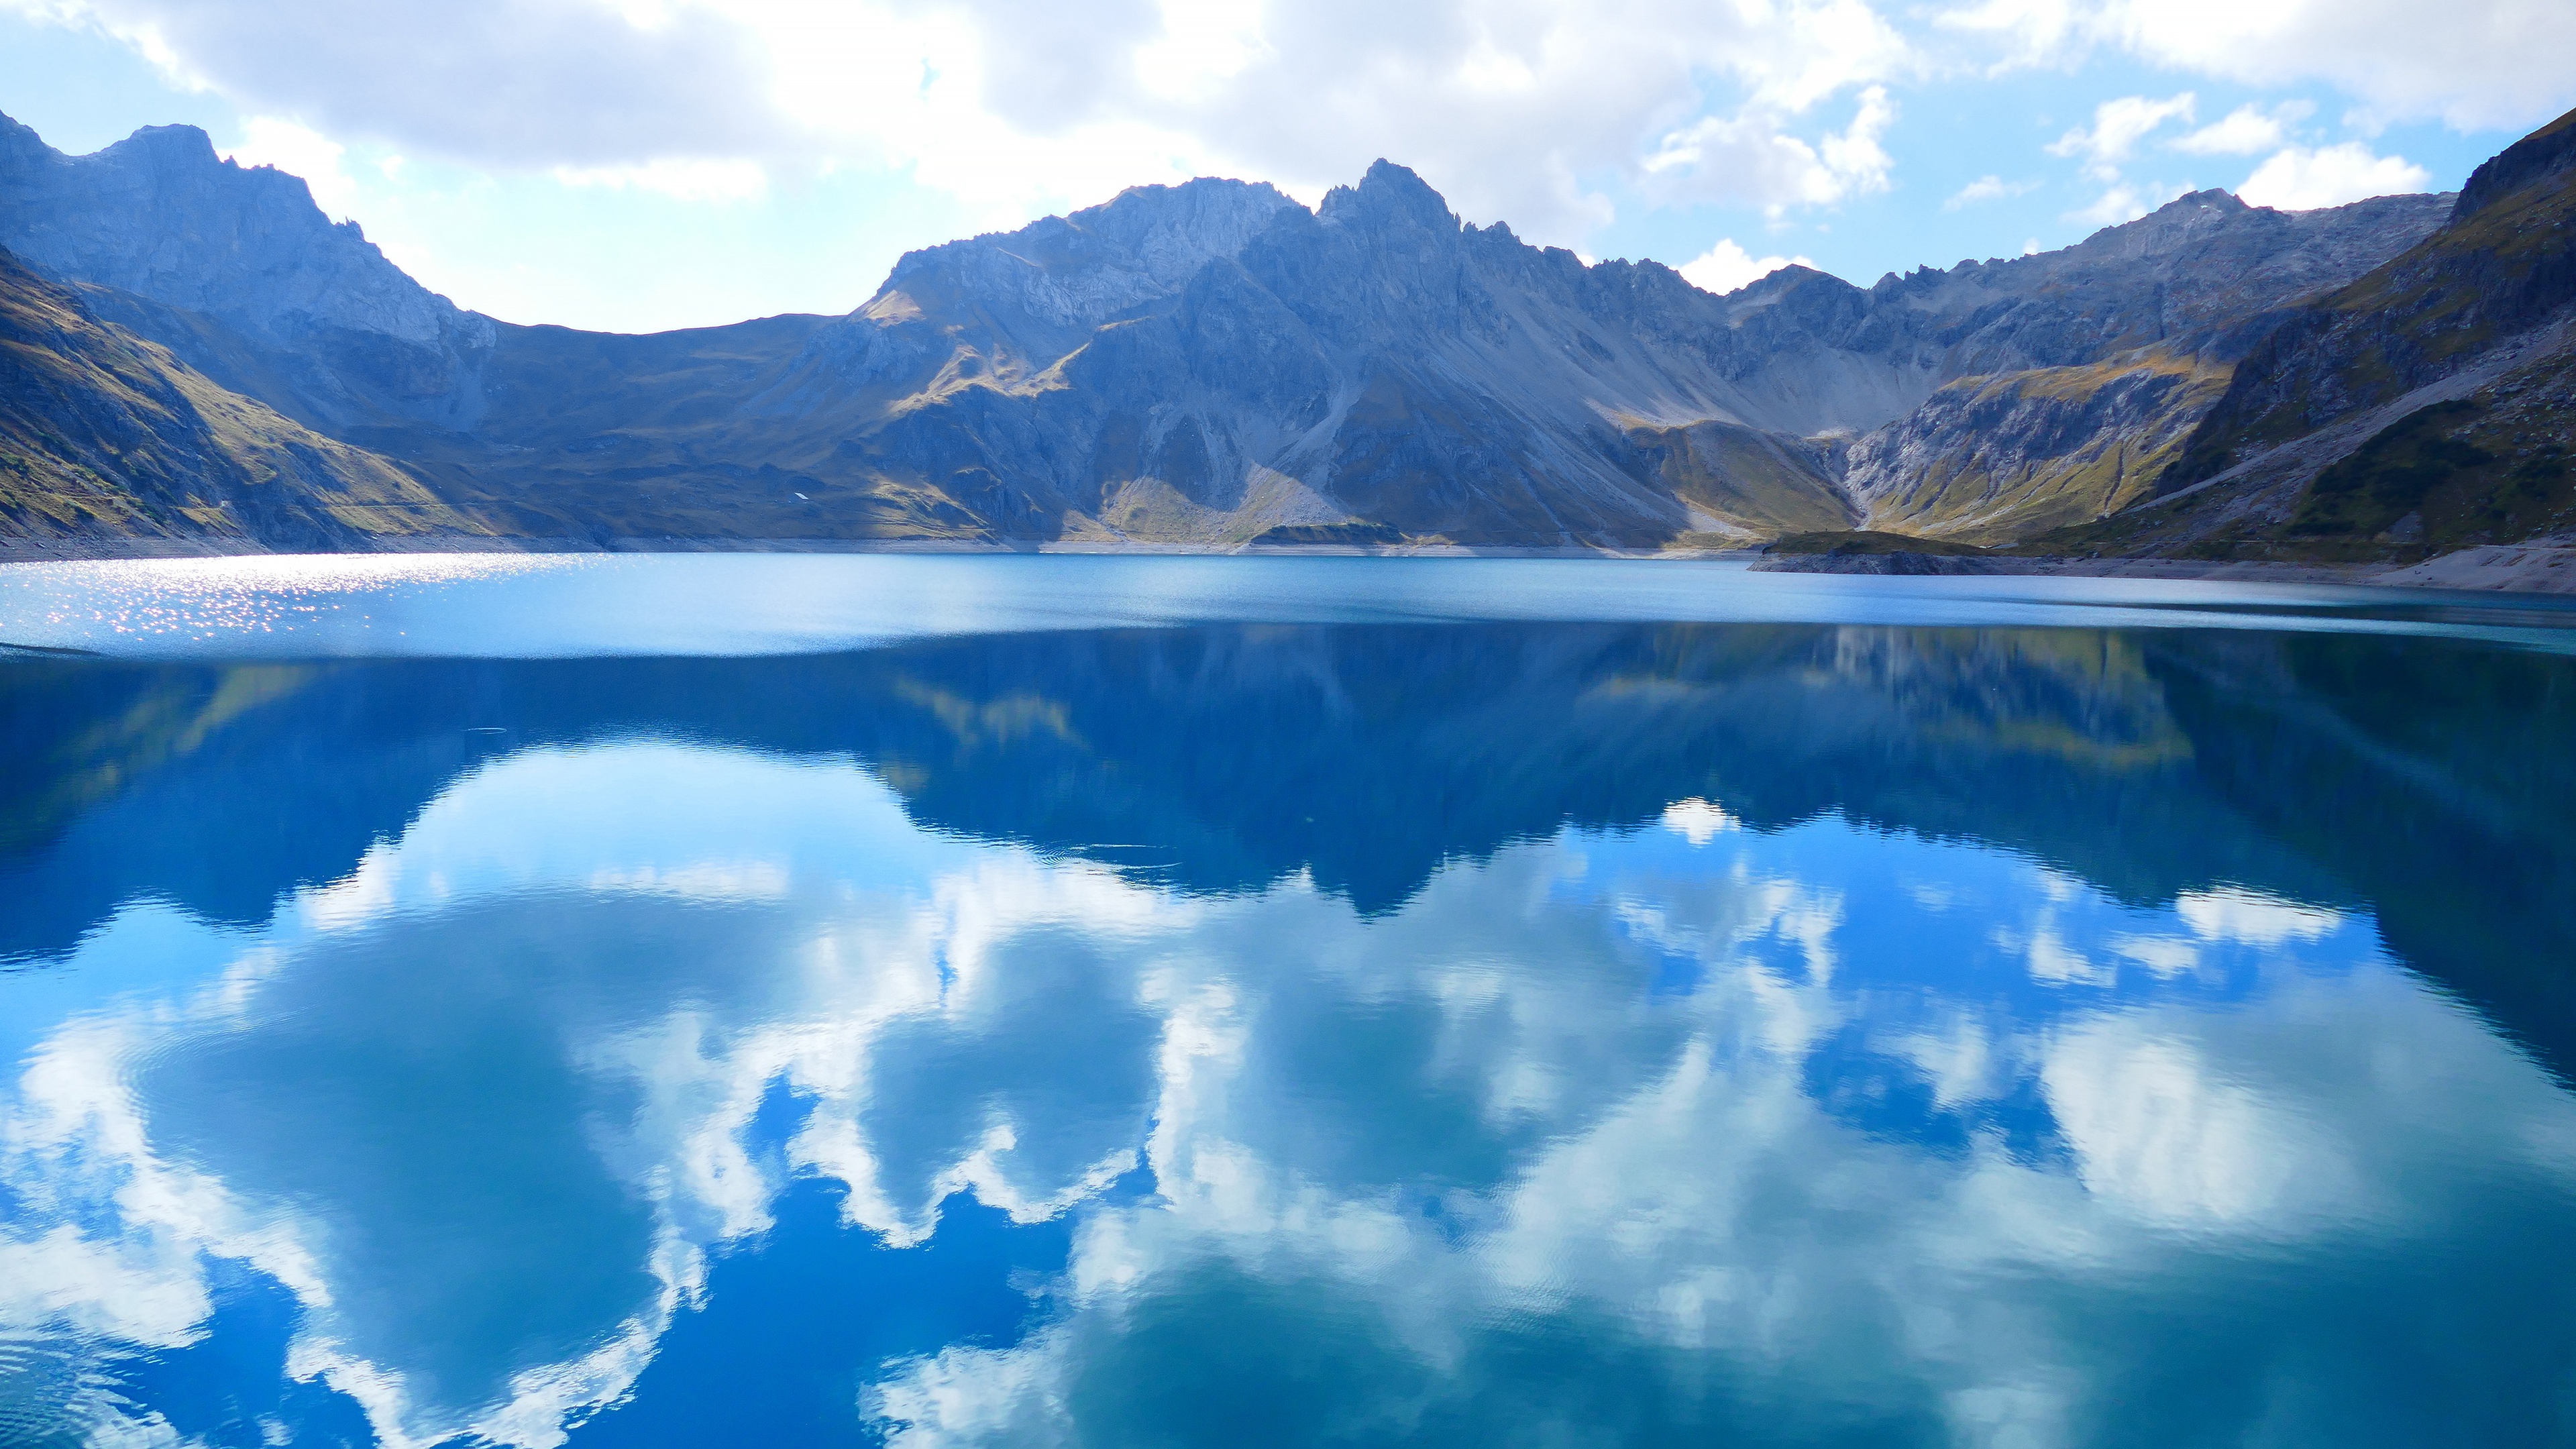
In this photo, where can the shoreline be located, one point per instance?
(2542, 568)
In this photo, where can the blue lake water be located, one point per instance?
(1108, 1001)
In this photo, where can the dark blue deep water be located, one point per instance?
(1115, 1002)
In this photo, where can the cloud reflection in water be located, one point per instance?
(1803, 1131)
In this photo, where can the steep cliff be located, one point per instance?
(1212, 362)
(240, 275)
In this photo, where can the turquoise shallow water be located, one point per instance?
(1131, 1002)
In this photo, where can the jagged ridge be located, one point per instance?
(1213, 362)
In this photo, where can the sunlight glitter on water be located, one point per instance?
(571, 606)
(207, 598)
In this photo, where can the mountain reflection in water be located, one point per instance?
(1526, 1033)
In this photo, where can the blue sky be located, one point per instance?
(641, 164)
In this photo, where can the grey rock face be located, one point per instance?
(1081, 270)
(1212, 360)
(1403, 369)
(159, 217)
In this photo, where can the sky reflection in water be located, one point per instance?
(1538, 1033)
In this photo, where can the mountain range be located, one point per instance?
(191, 349)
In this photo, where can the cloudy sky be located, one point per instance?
(638, 164)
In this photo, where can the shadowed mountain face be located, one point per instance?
(1220, 760)
(1212, 362)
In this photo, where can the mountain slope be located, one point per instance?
(1214, 363)
(104, 434)
(1376, 364)
(2431, 404)
(2125, 342)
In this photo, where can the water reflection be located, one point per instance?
(1523, 1034)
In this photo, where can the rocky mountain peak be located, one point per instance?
(20, 147)
(1389, 197)
(175, 147)
(1219, 212)
(2186, 219)
(159, 215)
(1084, 268)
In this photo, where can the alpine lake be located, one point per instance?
(1117, 1001)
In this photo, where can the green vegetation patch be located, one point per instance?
(2390, 476)
(2437, 475)
(1868, 541)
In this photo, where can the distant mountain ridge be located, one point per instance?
(1213, 363)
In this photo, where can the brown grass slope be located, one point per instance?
(1989, 460)
(104, 434)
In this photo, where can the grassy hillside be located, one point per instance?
(1992, 459)
(104, 434)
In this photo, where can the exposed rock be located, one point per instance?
(2088, 375)
(239, 273)
(1212, 362)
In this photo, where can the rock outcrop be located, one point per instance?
(2081, 374)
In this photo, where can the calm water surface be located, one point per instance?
(1122, 1002)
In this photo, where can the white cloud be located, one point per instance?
(2126, 202)
(1987, 188)
(2028, 32)
(2470, 62)
(2297, 178)
(681, 180)
(1722, 269)
(1015, 107)
(2247, 129)
(2474, 63)
(506, 82)
(2118, 126)
(1749, 158)
(298, 151)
